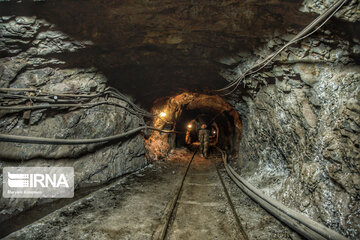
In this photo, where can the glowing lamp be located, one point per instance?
(189, 126)
(163, 114)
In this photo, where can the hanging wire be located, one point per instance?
(322, 19)
(62, 100)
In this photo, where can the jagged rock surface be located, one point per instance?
(300, 117)
(166, 45)
(301, 127)
(31, 42)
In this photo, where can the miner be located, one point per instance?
(204, 134)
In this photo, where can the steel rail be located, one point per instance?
(54, 141)
(160, 233)
(237, 220)
(295, 220)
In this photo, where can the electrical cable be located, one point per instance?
(50, 98)
(85, 105)
(41, 140)
(303, 34)
(301, 223)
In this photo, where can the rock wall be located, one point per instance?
(228, 121)
(158, 48)
(31, 49)
(300, 117)
(301, 120)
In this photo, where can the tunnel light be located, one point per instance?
(163, 114)
(189, 126)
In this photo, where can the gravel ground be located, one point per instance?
(134, 207)
(257, 222)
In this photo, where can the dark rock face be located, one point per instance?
(146, 48)
(301, 136)
(31, 46)
(300, 117)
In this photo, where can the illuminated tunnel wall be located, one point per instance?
(220, 123)
(186, 107)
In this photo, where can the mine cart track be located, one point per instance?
(295, 220)
(240, 227)
(170, 213)
(162, 229)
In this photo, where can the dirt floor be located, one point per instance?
(257, 222)
(203, 211)
(135, 207)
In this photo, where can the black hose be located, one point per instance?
(69, 105)
(65, 98)
(297, 221)
(41, 140)
(322, 19)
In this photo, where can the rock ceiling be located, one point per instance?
(158, 48)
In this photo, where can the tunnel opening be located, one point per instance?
(299, 105)
(185, 113)
(189, 123)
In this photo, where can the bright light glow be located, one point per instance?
(163, 114)
(214, 132)
(189, 126)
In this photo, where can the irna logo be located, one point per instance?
(38, 182)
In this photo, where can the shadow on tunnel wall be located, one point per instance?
(228, 136)
(150, 50)
(154, 49)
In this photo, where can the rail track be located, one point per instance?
(300, 223)
(170, 213)
(201, 206)
(296, 221)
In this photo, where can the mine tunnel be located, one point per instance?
(185, 113)
(180, 119)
